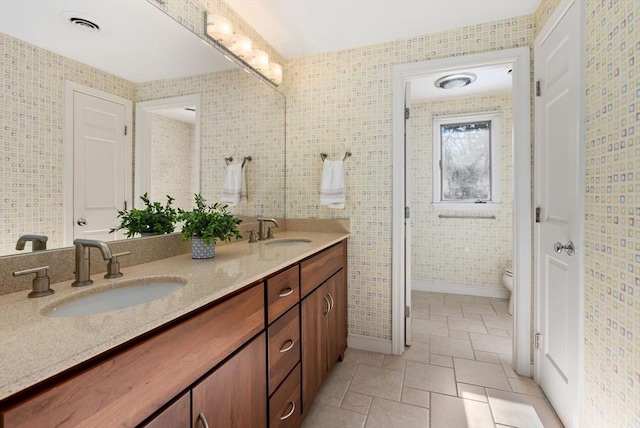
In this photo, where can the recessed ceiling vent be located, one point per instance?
(85, 24)
(454, 81)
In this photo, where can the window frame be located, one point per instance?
(495, 151)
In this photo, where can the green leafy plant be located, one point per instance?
(209, 222)
(154, 218)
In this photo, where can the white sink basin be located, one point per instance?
(126, 294)
(287, 242)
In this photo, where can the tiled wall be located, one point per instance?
(612, 241)
(343, 100)
(172, 144)
(464, 252)
(240, 117)
(31, 124)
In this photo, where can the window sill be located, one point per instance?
(466, 206)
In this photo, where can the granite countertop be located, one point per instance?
(34, 347)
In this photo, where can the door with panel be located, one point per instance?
(314, 344)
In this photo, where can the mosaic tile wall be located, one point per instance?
(31, 119)
(172, 144)
(461, 252)
(612, 241)
(343, 100)
(240, 117)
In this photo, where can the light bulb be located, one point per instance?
(260, 61)
(242, 46)
(220, 29)
(275, 73)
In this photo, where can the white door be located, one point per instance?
(408, 221)
(558, 120)
(99, 166)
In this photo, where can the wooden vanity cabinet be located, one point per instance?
(177, 415)
(324, 318)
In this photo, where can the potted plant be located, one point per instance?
(206, 223)
(153, 219)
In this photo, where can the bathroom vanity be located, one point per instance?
(247, 342)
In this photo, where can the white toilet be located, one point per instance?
(507, 281)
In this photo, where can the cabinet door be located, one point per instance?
(235, 394)
(314, 344)
(336, 319)
(177, 415)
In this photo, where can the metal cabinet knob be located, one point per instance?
(568, 247)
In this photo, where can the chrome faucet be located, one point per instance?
(38, 242)
(83, 259)
(261, 220)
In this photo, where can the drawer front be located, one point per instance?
(284, 405)
(283, 291)
(284, 347)
(128, 387)
(320, 267)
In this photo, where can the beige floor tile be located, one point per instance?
(451, 347)
(446, 310)
(418, 351)
(472, 316)
(420, 312)
(377, 382)
(487, 357)
(437, 317)
(334, 389)
(478, 308)
(357, 402)
(472, 392)
(488, 343)
(425, 297)
(323, 416)
(458, 298)
(430, 378)
(471, 326)
(416, 397)
(358, 356)
(450, 412)
(507, 366)
(498, 322)
(513, 409)
(481, 374)
(498, 332)
(499, 305)
(344, 370)
(389, 414)
(525, 385)
(460, 335)
(430, 327)
(483, 300)
(392, 362)
(441, 360)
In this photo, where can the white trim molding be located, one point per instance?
(468, 290)
(522, 219)
(366, 343)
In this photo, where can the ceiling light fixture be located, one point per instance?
(454, 81)
(220, 30)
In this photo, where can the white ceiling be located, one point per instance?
(298, 28)
(136, 41)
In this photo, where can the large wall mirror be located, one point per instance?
(94, 117)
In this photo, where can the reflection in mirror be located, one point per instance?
(140, 54)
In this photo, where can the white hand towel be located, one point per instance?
(332, 184)
(243, 187)
(232, 188)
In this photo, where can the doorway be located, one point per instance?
(97, 159)
(521, 192)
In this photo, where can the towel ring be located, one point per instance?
(324, 156)
(246, 159)
(228, 160)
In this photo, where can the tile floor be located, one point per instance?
(457, 373)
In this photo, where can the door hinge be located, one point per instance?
(407, 112)
(440, 164)
(125, 205)
(407, 212)
(538, 90)
(125, 130)
(538, 211)
(536, 341)
(407, 311)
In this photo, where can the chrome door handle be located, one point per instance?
(82, 221)
(568, 247)
(203, 420)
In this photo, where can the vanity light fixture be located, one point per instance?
(454, 81)
(240, 46)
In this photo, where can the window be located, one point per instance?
(466, 155)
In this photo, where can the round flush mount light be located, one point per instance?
(454, 81)
(81, 21)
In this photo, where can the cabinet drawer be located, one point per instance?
(284, 405)
(283, 291)
(320, 267)
(284, 346)
(126, 388)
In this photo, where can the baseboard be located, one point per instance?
(370, 344)
(470, 290)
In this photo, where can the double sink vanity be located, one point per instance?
(244, 340)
